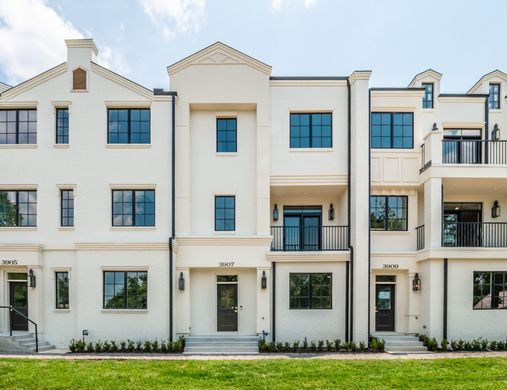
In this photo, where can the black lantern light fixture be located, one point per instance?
(84, 333)
(264, 280)
(32, 281)
(331, 213)
(416, 283)
(495, 134)
(275, 213)
(434, 128)
(495, 210)
(181, 282)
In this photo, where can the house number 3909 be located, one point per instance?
(390, 266)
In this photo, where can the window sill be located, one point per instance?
(67, 228)
(124, 311)
(133, 228)
(224, 232)
(19, 228)
(18, 146)
(61, 310)
(61, 146)
(227, 154)
(428, 110)
(318, 150)
(495, 110)
(128, 146)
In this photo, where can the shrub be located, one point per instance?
(337, 344)
(295, 346)
(106, 347)
(353, 346)
(445, 345)
(286, 347)
(493, 345)
(155, 346)
(313, 346)
(362, 346)
(98, 346)
(89, 347)
(432, 344)
(320, 345)
(123, 346)
(305, 345)
(147, 346)
(130, 346)
(329, 345)
(139, 346)
(72, 345)
(114, 346)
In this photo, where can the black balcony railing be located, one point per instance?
(420, 237)
(474, 152)
(475, 234)
(309, 238)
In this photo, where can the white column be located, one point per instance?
(433, 212)
(183, 172)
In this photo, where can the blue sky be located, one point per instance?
(139, 38)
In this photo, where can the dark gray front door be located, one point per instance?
(227, 307)
(18, 292)
(384, 302)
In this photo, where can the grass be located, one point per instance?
(470, 373)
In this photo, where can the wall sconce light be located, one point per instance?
(416, 283)
(181, 282)
(495, 210)
(434, 128)
(264, 280)
(495, 134)
(84, 333)
(275, 213)
(32, 281)
(331, 212)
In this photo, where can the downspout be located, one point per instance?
(446, 269)
(369, 208)
(273, 303)
(349, 307)
(486, 131)
(173, 213)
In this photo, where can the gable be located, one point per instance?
(488, 76)
(428, 73)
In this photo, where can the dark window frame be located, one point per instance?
(311, 137)
(17, 206)
(66, 304)
(18, 110)
(310, 292)
(386, 213)
(391, 134)
(491, 295)
(125, 290)
(491, 96)
(66, 203)
(62, 132)
(428, 104)
(129, 126)
(133, 207)
(225, 208)
(226, 142)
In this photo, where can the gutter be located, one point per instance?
(446, 270)
(486, 130)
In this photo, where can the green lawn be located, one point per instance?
(472, 373)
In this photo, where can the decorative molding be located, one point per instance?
(126, 246)
(128, 146)
(20, 104)
(296, 180)
(133, 186)
(359, 75)
(393, 191)
(21, 248)
(393, 108)
(461, 99)
(463, 125)
(308, 83)
(128, 103)
(19, 146)
(224, 241)
(296, 257)
(13, 187)
(404, 93)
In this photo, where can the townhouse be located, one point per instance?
(244, 204)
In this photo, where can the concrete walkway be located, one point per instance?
(63, 354)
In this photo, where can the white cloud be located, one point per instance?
(279, 4)
(174, 17)
(32, 38)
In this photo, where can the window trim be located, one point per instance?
(492, 273)
(310, 290)
(129, 122)
(62, 190)
(125, 290)
(57, 110)
(392, 113)
(56, 272)
(499, 100)
(226, 118)
(423, 85)
(386, 229)
(134, 190)
(17, 225)
(316, 148)
(215, 212)
(17, 110)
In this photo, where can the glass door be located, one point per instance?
(302, 228)
(462, 146)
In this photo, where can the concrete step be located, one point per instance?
(405, 348)
(220, 345)
(222, 338)
(216, 343)
(403, 342)
(23, 337)
(32, 344)
(43, 348)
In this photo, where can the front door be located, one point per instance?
(227, 307)
(384, 302)
(302, 228)
(19, 300)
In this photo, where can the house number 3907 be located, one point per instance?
(226, 263)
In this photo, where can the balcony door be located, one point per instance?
(462, 224)
(302, 228)
(462, 146)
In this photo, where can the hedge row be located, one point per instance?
(479, 344)
(129, 346)
(337, 345)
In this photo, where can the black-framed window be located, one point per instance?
(62, 125)
(125, 290)
(18, 208)
(128, 126)
(18, 126)
(428, 95)
(62, 290)
(133, 208)
(225, 213)
(494, 96)
(389, 213)
(490, 290)
(392, 130)
(227, 135)
(67, 207)
(310, 290)
(311, 130)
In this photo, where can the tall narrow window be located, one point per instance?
(62, 290)
(133, 208)
(18, 126)
(67, 207)
(125, 290)
(128, 126)
(62, 125)
(428, 95)
(18, 208)
(388, 213)
(310, 290)
(494, 96)
(225, 210)
(227, 135)
(311, 130)
(392, 130)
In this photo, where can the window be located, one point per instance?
(18, 126)
(428, 95)
(310, 291)
(62, 290)
(227, 135)
(311, 130)
(79, 79)
(225, 210)
(125, 289)
(62, 125)
(67, 207)
(392, 130)
(494, 96)
(18, 208)
(490, 290)
(133, 208)
(388, 213)
(128, 126)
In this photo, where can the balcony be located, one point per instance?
(474, 152)
(474, 234)
(309, 238)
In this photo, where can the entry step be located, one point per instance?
(223, 345)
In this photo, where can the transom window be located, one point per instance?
(494, 96)
(227, 135)
(18, 208)
(392, 130)
(125, 289)
(225, 210)
(310, 290)
(388, 213)
(312, 130)
(62, 125)
(18, 126)
(128, 126)
(133, 208)
(67, 207)
(428, 95)
(490, 290)
(62, 290)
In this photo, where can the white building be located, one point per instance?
(237, 204)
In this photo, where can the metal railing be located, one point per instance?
(11, 310)
(474, 152)
(474, 234)
(309, 238)
(419, 230)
